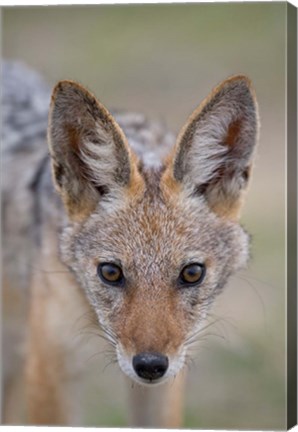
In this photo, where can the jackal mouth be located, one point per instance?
(150, 383)
(150, 368)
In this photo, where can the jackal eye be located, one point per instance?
(110, 273)
(192, 274)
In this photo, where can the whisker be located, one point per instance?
(106, 352)
(200, 330)
(261, 281)
(113, 361)
(250, 284)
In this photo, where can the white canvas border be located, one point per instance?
(13, 3)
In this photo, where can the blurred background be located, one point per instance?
(162, 60)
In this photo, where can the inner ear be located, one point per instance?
(233, 133)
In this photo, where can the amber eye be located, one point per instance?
(192, 274)
(110, 273)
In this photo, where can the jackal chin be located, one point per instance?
(150, 368)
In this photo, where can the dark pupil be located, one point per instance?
(111, 273)
(192, 273)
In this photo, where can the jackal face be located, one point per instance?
(153, 248)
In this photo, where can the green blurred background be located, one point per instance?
(162, 60)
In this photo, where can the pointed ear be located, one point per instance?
(214, 151)
(91, 159)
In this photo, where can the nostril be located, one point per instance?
(150, 366)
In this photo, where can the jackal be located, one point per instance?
(143, 234)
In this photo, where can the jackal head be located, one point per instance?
(152, 248)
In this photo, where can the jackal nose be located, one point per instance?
(150, 366)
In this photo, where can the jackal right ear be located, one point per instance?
(214, 151)
(91, 158)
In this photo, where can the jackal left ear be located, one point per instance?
(91, 158)
(214, 151)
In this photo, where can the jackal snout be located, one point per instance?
(151, 333)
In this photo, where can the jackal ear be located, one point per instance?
(214, 151)
(91, 158)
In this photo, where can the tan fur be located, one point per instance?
(50, 369)
(149, 220)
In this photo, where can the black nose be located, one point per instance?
(150, 366)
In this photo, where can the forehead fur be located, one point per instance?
(153, 232)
